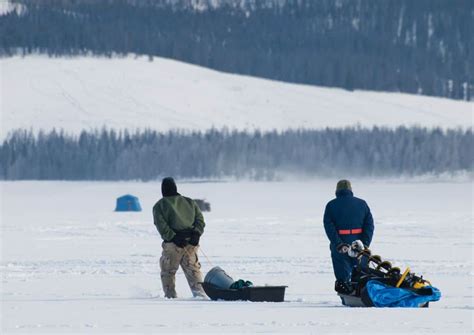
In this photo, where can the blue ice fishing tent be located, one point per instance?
(128, 203)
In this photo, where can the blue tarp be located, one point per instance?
(389, 296)
(128, 203)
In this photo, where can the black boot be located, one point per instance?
(343, 287)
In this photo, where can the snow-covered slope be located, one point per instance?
(86, 92)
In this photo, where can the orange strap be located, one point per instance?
(350, 231)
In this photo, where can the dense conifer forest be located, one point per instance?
(148, 155)
(422, 47)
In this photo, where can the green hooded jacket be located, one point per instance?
(177, 213)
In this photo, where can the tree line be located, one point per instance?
(422, 47)
(148, 155)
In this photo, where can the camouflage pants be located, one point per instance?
(171, 258)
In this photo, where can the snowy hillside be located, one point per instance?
(83, 93)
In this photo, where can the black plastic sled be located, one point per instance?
(253, 293)
(350, 300)
(218, 285)
(358, 298)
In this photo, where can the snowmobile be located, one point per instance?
(376, 283)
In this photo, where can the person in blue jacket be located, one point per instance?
(346, 219)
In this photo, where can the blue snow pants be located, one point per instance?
(342, 265)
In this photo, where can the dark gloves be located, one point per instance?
(343, 248)
(195, 237)
(185, 237)
(179, 240)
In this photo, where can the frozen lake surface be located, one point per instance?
(71, 264)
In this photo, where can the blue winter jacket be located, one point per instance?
(347, 219)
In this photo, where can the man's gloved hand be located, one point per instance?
(180, 241)
(343, 248)
(356, 247)
(195, 237)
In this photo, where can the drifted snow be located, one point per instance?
(83, 93)
(69, 263)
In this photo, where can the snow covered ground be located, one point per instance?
(69, 263)
(82, 93)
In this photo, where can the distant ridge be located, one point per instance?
(86, 93)
(417, 47)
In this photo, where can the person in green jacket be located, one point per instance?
(180, 224)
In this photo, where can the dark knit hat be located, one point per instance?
(168, 187)
(343, 185)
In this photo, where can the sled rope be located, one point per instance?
(207, 258)
(204, 254)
